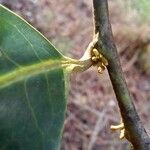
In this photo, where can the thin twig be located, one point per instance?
(134, 130)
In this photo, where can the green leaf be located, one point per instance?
(33, 90)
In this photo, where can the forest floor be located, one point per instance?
(92, 106)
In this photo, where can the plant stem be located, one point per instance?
(134, 130)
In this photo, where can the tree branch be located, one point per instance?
(134, 130)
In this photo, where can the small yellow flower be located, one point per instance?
(99, 60)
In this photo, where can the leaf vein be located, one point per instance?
(30, 107)
(9, 58)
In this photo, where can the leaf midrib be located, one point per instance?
(25, 72)
(22, 73)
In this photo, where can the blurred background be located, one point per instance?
(92, 106)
